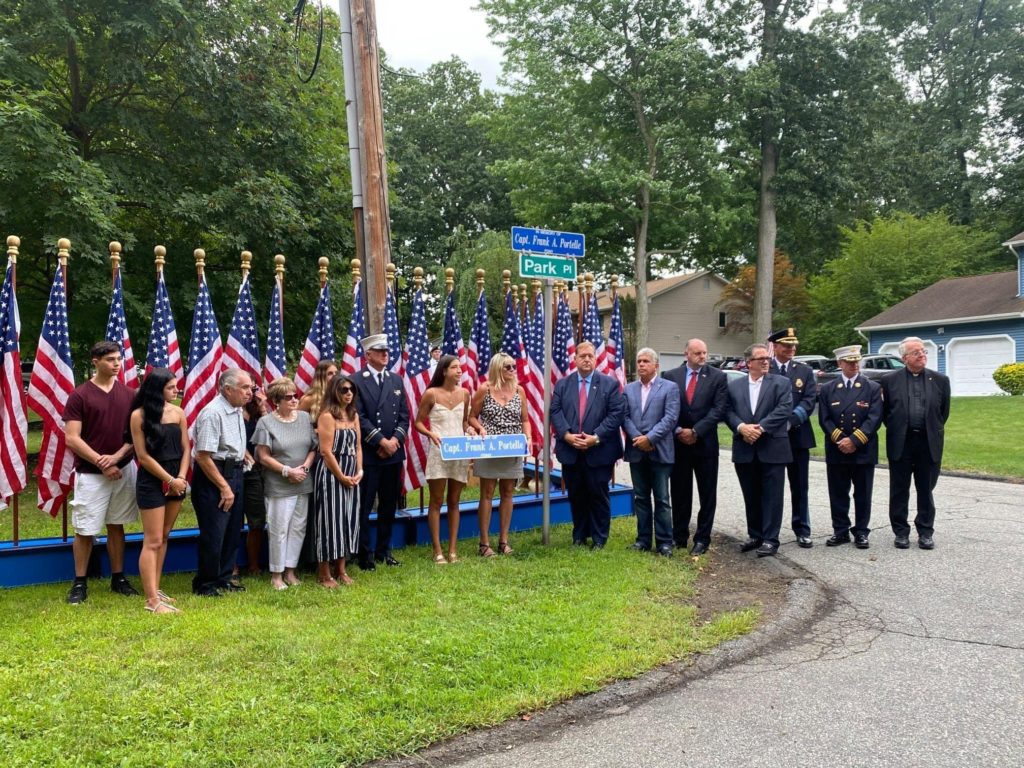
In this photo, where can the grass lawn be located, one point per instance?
(315, 677)
(982, 436)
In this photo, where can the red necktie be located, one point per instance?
(691, 388)
(583, 401)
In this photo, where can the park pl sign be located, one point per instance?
(546, 254)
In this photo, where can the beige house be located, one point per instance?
(681, 307)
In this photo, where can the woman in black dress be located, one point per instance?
(160, 438)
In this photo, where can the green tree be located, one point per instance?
(883, 262)
(613, 126)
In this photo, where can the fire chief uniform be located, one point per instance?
(850, 408)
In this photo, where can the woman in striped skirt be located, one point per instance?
(336, 477)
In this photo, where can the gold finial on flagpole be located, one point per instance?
(417, 277)
(279, 266)
(323, 262)
(480, 281)
(200, 256)
(506, 281)
(12, 248)
(357, 267)
(392, 279)
(115, 258)
(246, 263)
(449, 280)
(159, 258)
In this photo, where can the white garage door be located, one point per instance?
(970, 363)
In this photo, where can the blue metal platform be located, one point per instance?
(44, 561)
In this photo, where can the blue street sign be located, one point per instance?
(490, 447)
(529, 240)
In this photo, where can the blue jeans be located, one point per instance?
(651, 477)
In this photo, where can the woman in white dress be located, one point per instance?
(444, 412)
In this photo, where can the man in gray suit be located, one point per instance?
(652, 410)
(758, 415)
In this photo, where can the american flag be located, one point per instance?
(452, 343)
(13, 423)
(163, 349)
(397, 360)
(204, 357)
(275, 363)
(479, 352)
(534, 343)
(52, 380)
(417, 378)
(352, 358)
(243, 347)
(592, 333)
(117, 331)
(563, 346)
(617, 346)
(319, 342)
(512, 341)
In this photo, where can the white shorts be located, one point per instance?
(99, 501)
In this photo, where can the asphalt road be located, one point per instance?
(909, 658)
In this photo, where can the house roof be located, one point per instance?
(654, 288)
(1015, 240)
(954, 300)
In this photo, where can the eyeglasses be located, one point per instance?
(918, 353)
(292, 396)
(759, 359)
(346, 390)
(508, 367)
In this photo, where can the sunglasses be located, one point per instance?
(508, 367)
(292, 396)
(347, 390)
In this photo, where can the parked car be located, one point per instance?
(734, 374)
(26, 373)
(872, 366)
(818, 363)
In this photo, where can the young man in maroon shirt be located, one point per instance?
(95, 423)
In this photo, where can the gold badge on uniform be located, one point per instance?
(799, 382)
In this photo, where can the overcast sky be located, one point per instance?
(417, 33)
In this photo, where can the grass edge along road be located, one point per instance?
(406, 657)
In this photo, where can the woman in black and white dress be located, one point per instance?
(499, 408)
(336, 477)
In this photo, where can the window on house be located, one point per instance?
(721, 319)
(707, 283)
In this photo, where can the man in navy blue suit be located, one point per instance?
(703, 402)
(384, 423)
(759, 408)
(587, 410)
(801, 433)
(652, 410)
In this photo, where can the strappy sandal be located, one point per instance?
(328, 583)
(439, 560)
(164, 597)
(486, 551)
(504, 548)
(453, 558)
(161, 607)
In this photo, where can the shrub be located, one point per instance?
(1010, 378)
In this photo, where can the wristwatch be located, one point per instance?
(597, 440)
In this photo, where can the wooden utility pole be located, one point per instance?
(364, 109)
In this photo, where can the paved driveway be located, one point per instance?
(914, 658)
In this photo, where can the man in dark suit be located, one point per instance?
(652, 411)
(384, 423)
(850, 413)
(801, 433)
(759, 408)
(916, 406)
(587, 411)
(703, 401)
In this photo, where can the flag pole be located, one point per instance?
(323, 262)
(246, 264)
(548, 363)
(12, 256)
(115, 260)
(200, 256)
(536, 285)
(417, 282)
(63, 252)
(583, 305)
(279, 276)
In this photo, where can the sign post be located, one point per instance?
(547, 255)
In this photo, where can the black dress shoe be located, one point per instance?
(699, 548)
(123, 587)
(639, 546)
(836, 541)
(597, 545)
(665, 550)
(860, 541)
(232, 586)
(366, 564)
(750, 544)
(767, 550)
(902, 542)
(804, 542)
(926, 542)
(210, 592)
(390, 560)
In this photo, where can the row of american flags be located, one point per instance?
(52, 376)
